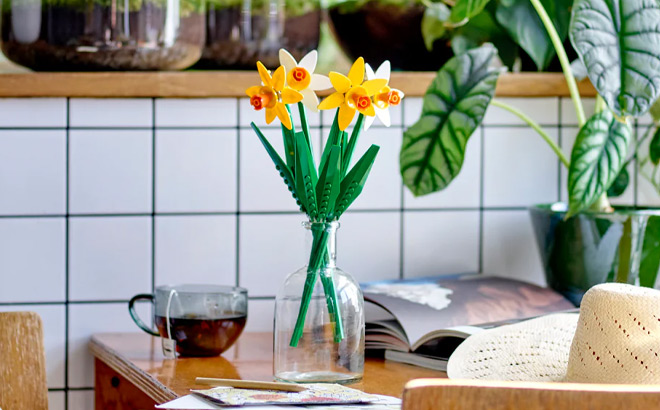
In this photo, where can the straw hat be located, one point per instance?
(614, 339)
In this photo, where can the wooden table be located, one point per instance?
(131, 372)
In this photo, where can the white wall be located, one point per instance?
(103, 199)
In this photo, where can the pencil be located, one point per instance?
(250, 384)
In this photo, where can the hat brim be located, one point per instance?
(533, 350)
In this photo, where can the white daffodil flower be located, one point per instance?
(384, 98)
(300, 76)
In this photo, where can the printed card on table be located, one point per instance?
(315, 394)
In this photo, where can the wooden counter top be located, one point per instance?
(138, 358)
(207, 84)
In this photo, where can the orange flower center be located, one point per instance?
(299, 78)
(393, 97)
(299, 74)
(265, 98)
(361, 101)
(257, 101)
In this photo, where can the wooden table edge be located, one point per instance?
(141, 379)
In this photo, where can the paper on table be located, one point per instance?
(192, 402)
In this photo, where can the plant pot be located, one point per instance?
(379, 31)
(240, 33)
(92, 35)
(592, 248)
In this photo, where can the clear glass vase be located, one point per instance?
(330, 346)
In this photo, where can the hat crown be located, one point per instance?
(617, 338)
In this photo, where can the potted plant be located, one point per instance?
(511, 25)
(586, 241)
(424, 34)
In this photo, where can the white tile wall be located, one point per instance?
(209, 112)
(192, 197)
(541, 110)
(440, 242)
(368, 245)
(32, 260)
(33, 112)
(32, 172)
(56, 400)
(510, 246)
(519, 168)
(115, 112)
(280, 242)
(96, 269)
(195, 249)
(110, 171)
(86, 319)
(196, 170)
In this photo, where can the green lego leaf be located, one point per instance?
(353, 183)
(306, 178)
(329, 184)
(283, 169)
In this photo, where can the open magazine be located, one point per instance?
(422, 321)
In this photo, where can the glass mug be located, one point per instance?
(204, 320)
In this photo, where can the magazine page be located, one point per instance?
(428, 304)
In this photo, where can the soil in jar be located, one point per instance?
(72, 39)
(237, 41)
(380, 32)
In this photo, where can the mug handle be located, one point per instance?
(134, 315)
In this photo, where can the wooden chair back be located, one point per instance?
(22, 362)
(446, 394)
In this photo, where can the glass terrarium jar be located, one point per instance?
(242, 32)
(88, 35)
(319, 355)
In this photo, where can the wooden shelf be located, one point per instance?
(207, 84)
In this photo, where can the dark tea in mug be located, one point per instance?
(202, 336)
(204, 320)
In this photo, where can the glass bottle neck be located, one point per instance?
(322, 234)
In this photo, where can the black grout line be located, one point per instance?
(257, 213)
(237, 279)
(87, 302)
(66, 254)
(153, 197)
(240, 127)
(480, 256)
(402, 222)
(68, 389)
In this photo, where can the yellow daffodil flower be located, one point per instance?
(300, 76)
(352, 94)
(273, 95)
(385, 97)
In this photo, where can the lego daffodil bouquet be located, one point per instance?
(323, 192)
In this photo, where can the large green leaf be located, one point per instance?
(433, 23)
(454, 105)
(466, 9)
(620, 183)
(524, 25)
(618, 42)
(598, 155)
(650, 261)
(654, 147)
(481, 29)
